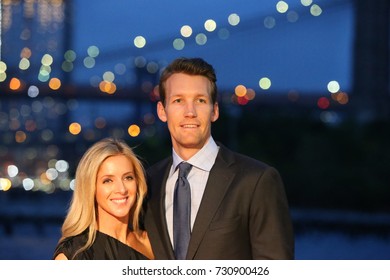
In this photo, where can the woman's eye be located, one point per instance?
(106, 181)
(128, 178)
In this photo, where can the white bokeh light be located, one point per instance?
(333, 87)
(62, 165)
(12, 170)
(28, 184)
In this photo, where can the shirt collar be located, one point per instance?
(203, 159)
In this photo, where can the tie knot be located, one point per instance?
(184, 169)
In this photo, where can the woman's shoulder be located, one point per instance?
(70, 245)
(104, 247)
(140, 243)
(111, 248)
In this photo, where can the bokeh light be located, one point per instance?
(74, 128)
(306, 2)
(178, 44)
(51, 174)
(292, 16)
(3, 66)
(340, 97)
(201, 39)
(240, 90)
(67, 66)
(139, 42)
(282, 7)
(100, 123)
(333, 86)
(72, 184)
(210, 25)
(107, 87)
(54, 83)
(28, 184)
(89, 62)
(15, 84)
(26, 53)
(269, 22)
(70, 55)
(134, 130)
(109, 76)
(3, 77)
(186, 31)
(234, 19)
(93, 51)
(62, 165)
(20, 136)
(5, 184)
(265, 83)
(223, 34)
(315, 10)
(250, 94)
(47, 60)
(24, 64)
(323, 103)
(12, 170)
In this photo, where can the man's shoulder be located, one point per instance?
(233, 157)
(159, 166)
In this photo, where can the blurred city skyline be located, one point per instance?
(299, 46)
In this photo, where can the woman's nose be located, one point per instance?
(120, 187)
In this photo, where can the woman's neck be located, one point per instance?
(115, 228)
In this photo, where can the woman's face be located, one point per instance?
(116, 189)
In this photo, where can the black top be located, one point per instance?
(104, 247)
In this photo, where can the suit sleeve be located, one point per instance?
(270, 226)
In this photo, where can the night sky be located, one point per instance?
(295, 49)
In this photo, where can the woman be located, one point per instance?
(103, 221)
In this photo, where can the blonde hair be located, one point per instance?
(82, 211)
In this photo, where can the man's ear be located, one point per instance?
(161, 112)
(215, 113)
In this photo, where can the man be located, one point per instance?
(238, 207)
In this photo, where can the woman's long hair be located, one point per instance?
(82, 213)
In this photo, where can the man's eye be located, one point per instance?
(177, 100)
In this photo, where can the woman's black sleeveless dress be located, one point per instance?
(105, 247)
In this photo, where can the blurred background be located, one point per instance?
(303, 84)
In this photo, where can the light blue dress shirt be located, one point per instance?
(202, 162)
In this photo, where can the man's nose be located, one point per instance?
(190, 109)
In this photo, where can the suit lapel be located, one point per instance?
(157, 206)
(218, 183)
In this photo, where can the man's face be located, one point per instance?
(189, 112)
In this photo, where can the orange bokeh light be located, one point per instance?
(134, 130)
(240, 90)
(75, 128)
(15, 84)
(54, 83)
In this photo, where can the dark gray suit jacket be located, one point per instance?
(243, 213)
